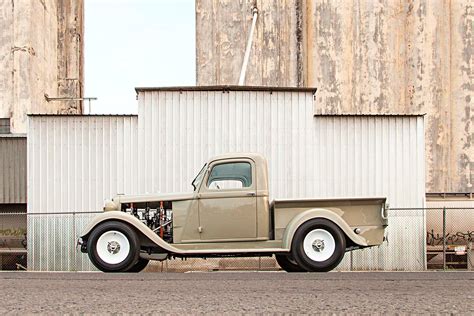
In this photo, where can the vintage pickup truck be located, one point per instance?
(229, 214)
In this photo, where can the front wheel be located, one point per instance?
(113, 247)
(318, 245)
(288, 264)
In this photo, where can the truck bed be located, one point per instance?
(367, 214)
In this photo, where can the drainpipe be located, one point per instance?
(249, 47)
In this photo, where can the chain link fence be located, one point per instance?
(449, 238)
(418, 239)
(13, 243)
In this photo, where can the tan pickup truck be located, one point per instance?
(229, 214)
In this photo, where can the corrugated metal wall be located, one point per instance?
(308, 155)
(12, 169)
(322, 156)
(75, 162)
(386, 56)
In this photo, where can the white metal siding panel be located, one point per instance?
(75, 162)
(308, 156)
(323, 156)
(12, 170)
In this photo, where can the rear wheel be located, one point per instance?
(113, 247)
(288, 264)
(319, 245)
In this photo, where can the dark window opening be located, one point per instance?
(4, 126)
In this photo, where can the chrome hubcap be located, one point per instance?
(113, 247)
(318, 245)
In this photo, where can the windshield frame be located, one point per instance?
(198, 179)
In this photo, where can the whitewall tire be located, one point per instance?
(318, 245)
(113, 246)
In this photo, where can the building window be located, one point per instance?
(4, 126)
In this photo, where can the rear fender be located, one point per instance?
(305, 216)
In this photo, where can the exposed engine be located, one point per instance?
(158, 216)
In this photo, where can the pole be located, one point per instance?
(444, 238)
(249, 47)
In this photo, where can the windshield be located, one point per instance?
(198, 178)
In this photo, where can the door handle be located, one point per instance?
(251, 194)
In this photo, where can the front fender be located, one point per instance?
(305, 216)
(134, 222)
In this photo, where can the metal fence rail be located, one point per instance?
(444, 240)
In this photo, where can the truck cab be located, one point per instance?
(232, 195)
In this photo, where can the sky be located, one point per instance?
(136, 43)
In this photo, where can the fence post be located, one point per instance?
(469, 255)
(351, 267)
(74, 268)
(444, 238)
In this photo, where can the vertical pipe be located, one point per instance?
(249, 47)
(444, 238)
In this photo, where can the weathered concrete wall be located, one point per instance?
(222, 31)
(386, 56)
(41, 52)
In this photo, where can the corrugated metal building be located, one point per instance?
(12, 200)
(75, 162)
(12, 169)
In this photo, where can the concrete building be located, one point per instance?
(366, 57)
(41, 71)
(41, 58)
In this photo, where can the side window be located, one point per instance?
(234, 175)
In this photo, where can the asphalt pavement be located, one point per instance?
(237, 292)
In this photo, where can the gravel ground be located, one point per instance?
(237, 292)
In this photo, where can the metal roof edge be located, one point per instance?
(13, 135)
(226, 88)
(443, 195)
(371, 114)
(78, 115)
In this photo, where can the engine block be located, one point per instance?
(158, 216)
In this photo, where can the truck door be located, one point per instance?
(227, 201)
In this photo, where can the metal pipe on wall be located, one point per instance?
(243, 71)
